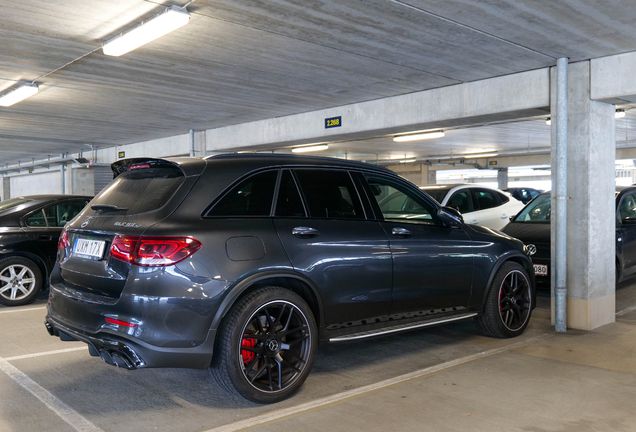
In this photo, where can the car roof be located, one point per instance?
(48, 197)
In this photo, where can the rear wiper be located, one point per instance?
(106, 207)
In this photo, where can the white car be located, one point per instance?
(480, 205)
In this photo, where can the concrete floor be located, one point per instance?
(445, 378)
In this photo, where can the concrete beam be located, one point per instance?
(612, 79)
(512, 96)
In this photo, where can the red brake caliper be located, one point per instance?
(248, 356)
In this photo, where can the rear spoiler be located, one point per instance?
(188, 166)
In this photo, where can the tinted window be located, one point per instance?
(36, 220)
(397, 202)
(58, 215)
(537, 211)
(461, 200)
(627, 209)
(502, 198)
(329, 194)
(140, 191)
(252, 197)
(485, 199)
(437, 194)
(289, 203)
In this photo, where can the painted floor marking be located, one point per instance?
(22, 310)
(45, 353)
(273, 416)
(626, 310)
(65, 412)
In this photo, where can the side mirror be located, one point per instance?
(450, 217)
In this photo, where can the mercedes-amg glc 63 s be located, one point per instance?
(246, 263)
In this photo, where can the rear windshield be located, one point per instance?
(12, 203)
(138, 191)
(437, 194)
(538, 211)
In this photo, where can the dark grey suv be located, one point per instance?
(246, 263)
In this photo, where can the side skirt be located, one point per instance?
(402, 327)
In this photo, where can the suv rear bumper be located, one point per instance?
(130, 354)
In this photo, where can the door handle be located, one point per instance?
(475, 222)
(403, 232)
(503, 216)
(305, 232)
(44, 237)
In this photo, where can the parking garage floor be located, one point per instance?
(445, 378)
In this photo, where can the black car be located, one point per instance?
(532, 226)
(523, 194)
(29, 231)
(247, 262)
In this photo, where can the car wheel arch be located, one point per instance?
(514, 257)
(284, 279)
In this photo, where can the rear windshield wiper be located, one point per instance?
(108, 208)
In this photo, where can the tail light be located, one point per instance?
(153, 251)
(63, 242)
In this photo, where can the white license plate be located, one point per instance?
(93, 249)
(540, 270)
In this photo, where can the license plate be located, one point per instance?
(93, 249)
(540, 270)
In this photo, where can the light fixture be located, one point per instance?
(170, 20)
(418, 136)
(620, 113)
(477, 155)
(310, 148)
(407, 160)
(548, 121)
(18, 94)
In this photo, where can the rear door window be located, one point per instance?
(140, 190)
(329, 194)
(485, 199)
(251, 197)
(59, 214)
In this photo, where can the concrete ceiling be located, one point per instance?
(244, 60)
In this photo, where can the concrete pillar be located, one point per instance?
(431, 178)
(6, 188)
(502, 178)
(591, 208)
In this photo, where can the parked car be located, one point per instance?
(246, 263)
(29, 231)
(479, 205)
(523, 194)
(532, 225)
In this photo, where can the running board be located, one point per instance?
(401, 328)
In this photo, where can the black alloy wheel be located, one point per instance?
(266, 346)
(509, 303)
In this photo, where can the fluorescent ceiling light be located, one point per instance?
(418, 136)
(170, 20)
(310, 148)
(431, 187)
(619, 113)
(18, 94)
(478, 155)
(548, 121)
(407, 160)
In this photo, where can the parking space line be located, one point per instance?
(626, 310)
(277, 415)
(65, 412)
(22, 310)
(45, 353)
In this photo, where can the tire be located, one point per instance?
(509, 302)
(266, 345)
(20, 281)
